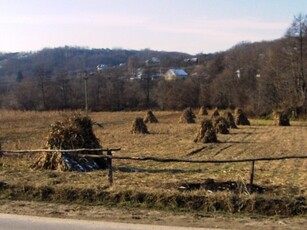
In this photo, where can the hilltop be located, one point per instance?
(74, 59)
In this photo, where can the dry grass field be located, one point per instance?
(153, 184)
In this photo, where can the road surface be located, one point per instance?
(20, 222)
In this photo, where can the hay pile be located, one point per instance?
(215, 113)
(187, 116)
(241, 118)
(202, 111)
(150, 117)
(139, 127)
(281, 118)
(206, 133)
(230, 120)
(221, 125)
(73, 133)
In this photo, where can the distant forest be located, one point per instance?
(257, 77)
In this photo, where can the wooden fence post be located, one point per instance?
(252, 177)
(110, 168)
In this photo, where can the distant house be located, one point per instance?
(100, 67)
(193, 60)
(174, 74)
(142, 74)
(152, 62)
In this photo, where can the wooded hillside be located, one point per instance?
(258, 77)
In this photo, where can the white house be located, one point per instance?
(152, 62)
(142, 74)
(193, 60)
(174, 74)
(100, 67)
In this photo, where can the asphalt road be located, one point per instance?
(19, 222)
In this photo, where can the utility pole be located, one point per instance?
(86, 92)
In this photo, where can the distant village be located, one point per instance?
(153, 70)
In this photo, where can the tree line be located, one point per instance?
(258, 77)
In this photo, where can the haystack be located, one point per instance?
(139, 127)
(150, 117)
(73, 133)
(206, 133)
(215, 114)
(187, 116)
(230, 120)
(281, 118)
(221, 125)
(241, 118)
(202, 111)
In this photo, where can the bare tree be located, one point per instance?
(133, 64)
(26, 95)
(41, 74)
(295, 49)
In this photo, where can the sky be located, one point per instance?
(190, 26)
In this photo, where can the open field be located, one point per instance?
(152, 184)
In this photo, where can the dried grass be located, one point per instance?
(281, 118)
(75, 132)
(215, 113)
(203, 111)
(139, 127)
(241, 118)
(150, 117)
(206, 133)
(285, 180)
(230, 120)
(187, 116)
(220, 124)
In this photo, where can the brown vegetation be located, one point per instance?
(220, 124)
(215, 114)
(139, 127)
(241, 118)
(75, 132)
(230, 120)
(281, 118)
(203, 111)
(206, 133)
(187, 116)
(150, 117)
(144, 184)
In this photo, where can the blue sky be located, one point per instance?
(191, 26)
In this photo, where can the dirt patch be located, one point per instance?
(215, 186)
